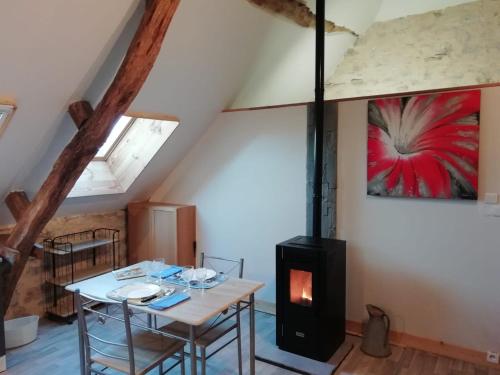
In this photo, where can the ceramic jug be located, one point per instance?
(376, 333)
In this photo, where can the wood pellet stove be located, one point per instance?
(310, 270)
(310, 296)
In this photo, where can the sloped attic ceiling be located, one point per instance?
(58, 51)
(203, 62)
(283, 70)
(51, 50)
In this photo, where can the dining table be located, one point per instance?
(202, 306)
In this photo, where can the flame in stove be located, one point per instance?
(301, 287)
(305, 295)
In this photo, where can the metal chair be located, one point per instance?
(109, 341)
(223, 265)
(208, 333)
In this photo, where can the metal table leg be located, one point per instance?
(81, 349)
(252, 334)
(192, 349)
(238, 329)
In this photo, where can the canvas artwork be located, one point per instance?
(424, 146)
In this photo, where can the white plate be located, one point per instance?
(196, 277)
(210, 273)
(138, 290)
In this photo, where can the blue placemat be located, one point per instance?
(169, 301)
(167, 272)
(212, 283)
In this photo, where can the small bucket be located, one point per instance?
(21, 331)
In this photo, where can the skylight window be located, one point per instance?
(117, 133)
(131, 145)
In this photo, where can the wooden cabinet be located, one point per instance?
(161, 230)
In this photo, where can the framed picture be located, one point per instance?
(424, 146)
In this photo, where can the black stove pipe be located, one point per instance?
(319, 105)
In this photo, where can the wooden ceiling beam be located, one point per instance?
(80, 112)
(75, 157)
(298, 12)
(17, 202)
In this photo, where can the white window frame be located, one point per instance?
(7, 110)
(128, 157)
(117, 141)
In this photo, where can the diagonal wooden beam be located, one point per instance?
(73, 160)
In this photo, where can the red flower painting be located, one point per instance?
(424, 146)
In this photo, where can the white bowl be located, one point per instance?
(20, 331)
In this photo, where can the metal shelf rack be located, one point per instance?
(75, 257)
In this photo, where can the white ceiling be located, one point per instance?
(200, 68)
(50, 50)
(58, 51)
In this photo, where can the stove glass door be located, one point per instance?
(301, 287)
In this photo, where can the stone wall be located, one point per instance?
(28, 298)
(329, 190)
(454, 47)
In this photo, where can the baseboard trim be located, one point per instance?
(429, 345)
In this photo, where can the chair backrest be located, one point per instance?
(223, 265)
(94, 337)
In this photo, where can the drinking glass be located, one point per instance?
(187, 276)
(201, 275)
(157, 265)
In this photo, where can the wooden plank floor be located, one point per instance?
(55, 352)
(404, 361)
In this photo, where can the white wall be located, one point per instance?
(432, 264)
(247, 178)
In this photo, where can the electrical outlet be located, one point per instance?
(492, 357)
